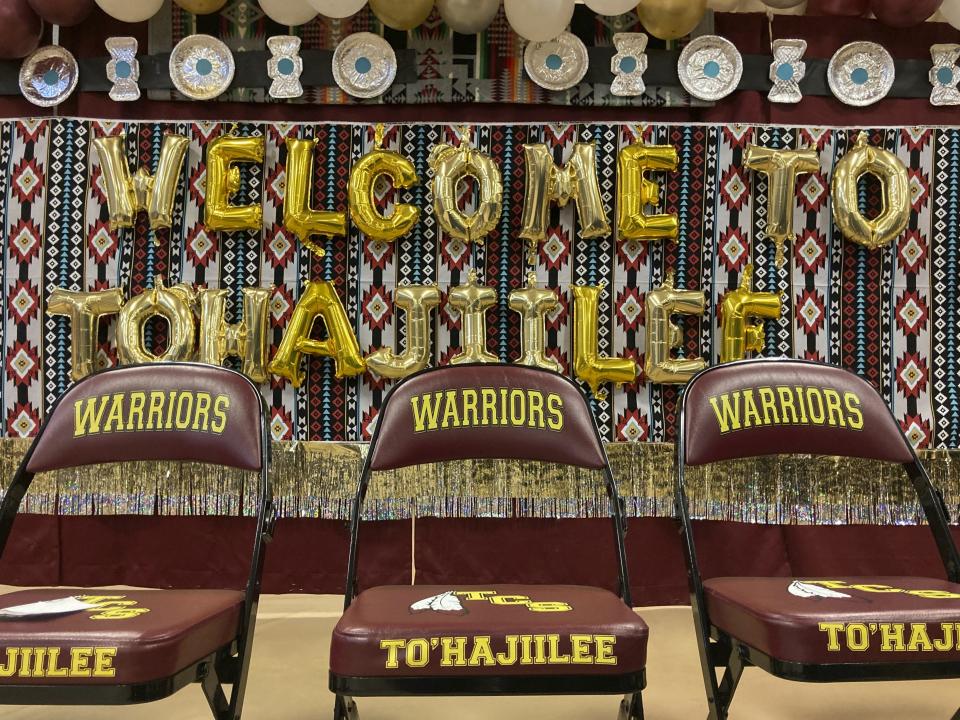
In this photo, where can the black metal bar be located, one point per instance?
(933, 508)
(489, 685)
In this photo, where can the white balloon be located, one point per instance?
(539, 20)
(288, 12)
(951, 12)
(131, 10)
(337, 8)
(469, 17)
(611, 7)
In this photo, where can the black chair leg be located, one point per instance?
(956, 715)
(213, 691)
(631, 707)
(344, 708)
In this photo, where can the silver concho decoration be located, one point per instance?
(787, 70)
(123, 68)
(945, 74)
(201, 67)
(364, 65)
(48, 75)
(710, 67)
(629, 64)
(557, 64)
(860, 73)
(285, 66)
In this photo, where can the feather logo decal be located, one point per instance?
(807, 590)
(444, 602)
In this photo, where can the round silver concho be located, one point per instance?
(557, 64)
(201, 67)
(710, 67)
(364, 65)
(48, 75)
(860, 73)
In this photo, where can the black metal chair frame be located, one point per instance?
(720, 650)
(631, 686)
(229, 665)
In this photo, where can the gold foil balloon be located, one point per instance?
(223, 181)
(894, 185)
(363, 179)
(670, 19)
(588, 365)
(472, 300)
(128, 194)
(201, 7)
(418, 301)
(247, 339)
(533, 303)
(403, 15)
(175, 305)
(781, 168)
(663, 335)
(739, 333)
(548, 182)
(450, 166)
(298, 217)
(84, 310)
(319, 300)
(635, 192)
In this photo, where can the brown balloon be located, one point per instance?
(845, 8)
(904, 13)
(62, 12)
(201, 7)
(20, 29)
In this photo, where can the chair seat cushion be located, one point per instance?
(840, 619)
(132, 636)
(488, 630)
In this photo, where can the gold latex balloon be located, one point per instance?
(670, 19)
(175, 305)
(739, 333)
(363, 179)
(128, 194)
(533, 304)
(223, 181)
(403, 15)
(450, 166)
(472, 300)
(548, 182)
(84, 310)
(201, 7)
(635, 192)
(247, 339)
(663, 335)
(298, 217)
(418, 301)
(781, 168)
(894, 185)
(588, 365)
(319, 300)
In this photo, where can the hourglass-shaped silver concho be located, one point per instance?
(123, 68)
(285, 66)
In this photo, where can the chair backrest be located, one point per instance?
(160, 411)
(485, 411)
(780, 406)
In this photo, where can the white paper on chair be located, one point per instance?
(60, 606)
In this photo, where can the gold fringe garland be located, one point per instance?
(318, 479)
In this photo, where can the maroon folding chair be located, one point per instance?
(135, 646)
(487, 639)
(814, 629)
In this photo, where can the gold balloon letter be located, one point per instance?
(363, 178)
(175, 305)
(472, 300)
(418, 301)
(223, 181)
(302, 220)
(663, 335)
(895, 186)
(587, 363)
(84, 310)
(128, 194)
(450, 166)
(319, 299)
(782, 168)
(635, 192)
(246, 339)
(533, 304)
(547, 181)
(739, 334)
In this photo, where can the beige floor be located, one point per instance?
(289, 677)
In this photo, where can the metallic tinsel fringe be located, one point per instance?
(317, 479)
